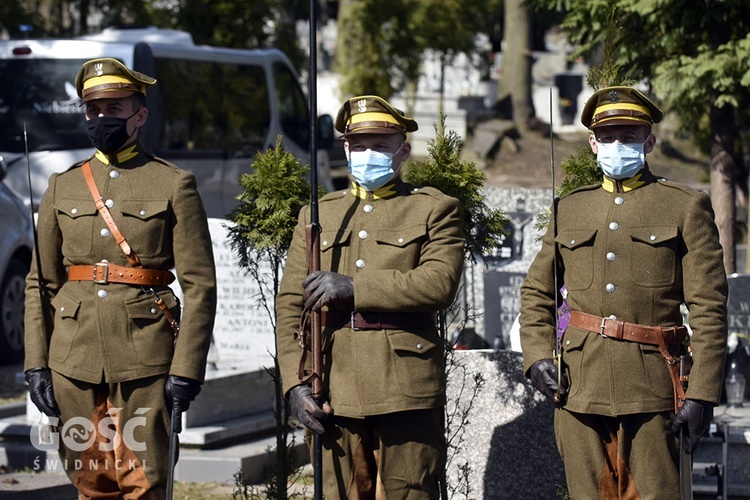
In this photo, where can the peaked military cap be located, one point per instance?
(370, 114)
(108, 78)
(619, 106)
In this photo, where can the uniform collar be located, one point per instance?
(381, 193)
(122, 156)
(643, 177)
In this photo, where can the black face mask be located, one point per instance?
(108, 133)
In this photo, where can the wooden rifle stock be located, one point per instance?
(312, 233)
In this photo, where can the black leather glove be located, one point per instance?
(325, 287)
(694, 418)
(543, 376)
(306, 411)
(40, 390)
(180, 391)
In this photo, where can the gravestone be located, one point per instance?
(243, 337)
(505, 448)
(738, 316)
(243, 334)
(237, 385)
(492, 288)
(502, 289)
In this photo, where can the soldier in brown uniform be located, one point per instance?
(391, 257)
(630, 251)
(104, 360)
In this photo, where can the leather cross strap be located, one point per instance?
(106, 272)
(652, 335)
(357, 320)
(100, 272)
(107, 216)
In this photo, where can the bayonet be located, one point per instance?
(39, 277)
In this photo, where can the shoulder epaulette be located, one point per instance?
(428, 190)
(160, 160)
(588, 187)
(78, 164)
(334, 195)
(676, 185)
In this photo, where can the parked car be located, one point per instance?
(16, 244)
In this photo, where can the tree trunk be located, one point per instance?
(83, 15)
(516, 77)
(441, 98)
(723, 170)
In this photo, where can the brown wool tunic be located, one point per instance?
(638, 255)
(405, 253)
(113, 332)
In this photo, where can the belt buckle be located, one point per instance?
(602, 326)
(351, 321)
(105, 280)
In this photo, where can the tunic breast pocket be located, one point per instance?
(333, 244)
(654, 255)
(76, 219)
(144, 225)
(577, 253)
(400, 248)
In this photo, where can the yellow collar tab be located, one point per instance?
(630, 184)
(384, 192)
(122, 156)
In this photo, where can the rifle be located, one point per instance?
(172, 455)
(313, 251)
(553, 226)
(39, 279)
(45, 432)
(686, 461)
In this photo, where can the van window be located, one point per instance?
(212, 106)
(295, 121)
(41, 94)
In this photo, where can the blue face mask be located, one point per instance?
(620, 161)
(371, 169)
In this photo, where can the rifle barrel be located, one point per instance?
(314, 255)
(553, 227)
(37, 258)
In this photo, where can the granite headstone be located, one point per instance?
(505, 448)
(502, 289)
(503, 268)
(738, 316)
(243, 337)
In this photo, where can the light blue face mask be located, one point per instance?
(620, 161)
(371, 169)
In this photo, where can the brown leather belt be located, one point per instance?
(621, 330)
(106, 272)
(376, 320)
(655, 335)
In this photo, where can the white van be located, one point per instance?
(211, 110)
